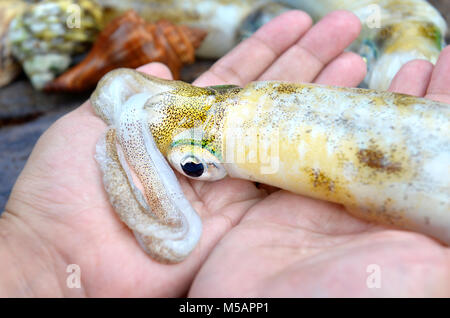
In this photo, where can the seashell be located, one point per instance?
(220, 18)
(9, 67)
(129, 41)
(394, 32)
(47, 34)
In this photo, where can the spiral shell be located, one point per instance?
(46, 36)
(129, 41)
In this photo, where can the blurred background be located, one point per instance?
(25, 113)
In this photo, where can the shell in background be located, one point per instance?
(9, 67)
(407, 30)
(129, 41)
(46, 36)
(417, 24)
(220, 18)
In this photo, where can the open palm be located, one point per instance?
(257, 241)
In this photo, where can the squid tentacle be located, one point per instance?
(162, 242)
(166, 226)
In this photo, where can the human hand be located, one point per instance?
(59, 214)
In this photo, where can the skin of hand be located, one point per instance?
(256, 241)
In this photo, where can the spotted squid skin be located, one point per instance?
(384, 156)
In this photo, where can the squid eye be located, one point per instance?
(192, 167)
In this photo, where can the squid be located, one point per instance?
(382, 155)
(394, 32)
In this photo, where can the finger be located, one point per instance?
(348, 69)
(156, 69)
(413, 78)
(250, 58)
(320, 45)
(439, 88)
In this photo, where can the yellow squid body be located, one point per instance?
(384, 156)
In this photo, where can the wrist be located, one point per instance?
(28, 266)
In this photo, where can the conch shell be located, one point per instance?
(9, 67)
(129, 41)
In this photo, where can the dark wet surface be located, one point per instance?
(16, 143)
(25, 114)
